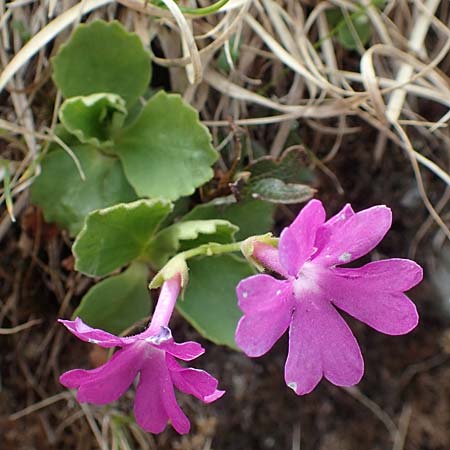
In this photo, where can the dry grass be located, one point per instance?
(290, 71)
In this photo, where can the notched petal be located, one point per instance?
(93, 335)
(106, 383)
(357, 236)
(185, 351)
(374, 294)
(195, 382)
(257, 332)
(155, 402)
(296, 243)
(321, 344)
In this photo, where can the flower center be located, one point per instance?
(306, 281)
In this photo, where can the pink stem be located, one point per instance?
(165, 305)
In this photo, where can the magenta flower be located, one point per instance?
(151, 354)
(320, 342)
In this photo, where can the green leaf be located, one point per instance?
(66, 199)
(116, 303)
(346, 27)
(277, 191)
(62, 134)
(251, 216)
(102, 57)
(276, 181)
(210, 303)
(359, 25)
(180, 208)
(222, 60)
(290, 168)
(115, 236)
(184, 235)
(166, 152)
(93, 119)
(5, 176)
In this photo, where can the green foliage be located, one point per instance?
(166, 152)
(93, 119)
(66, 198)
(210, 303)
(163, 151)
(115, 236)
(277, 191)
(102, 57)
(222, 61)
(277, 181)
(118, 302)
(290, 168)
(5, 176)
(23, 30)
(352, 30)
(184, 235)
(251, 216)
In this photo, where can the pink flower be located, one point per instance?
(151, 354)
(312, 286)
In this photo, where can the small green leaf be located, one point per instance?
(66, 199)
(93, 119)
(290, 168)
(102, 57)
(115, 236)
(210, 303)
(346, 27)
(116, 303)
(251, 216)
(277, 191)
(5, 175)
(361, 26)
(166, 152)
(184, 235)
(22, 29)
(276, 181)
(234, 51)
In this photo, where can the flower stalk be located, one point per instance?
(165, 305)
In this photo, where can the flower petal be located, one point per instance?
(373, 294)
(195, 382)
(297, 240)
(332, 225)
(187, 351)
(321, 344)
(155, 401)
(259, 292)
(357, 236)
(93, 335)
(387, 275)
(108, 382)
(338, 219)
(258, 331)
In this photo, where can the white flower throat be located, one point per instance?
(306, 281)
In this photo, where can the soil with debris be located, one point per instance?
(402, 402)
